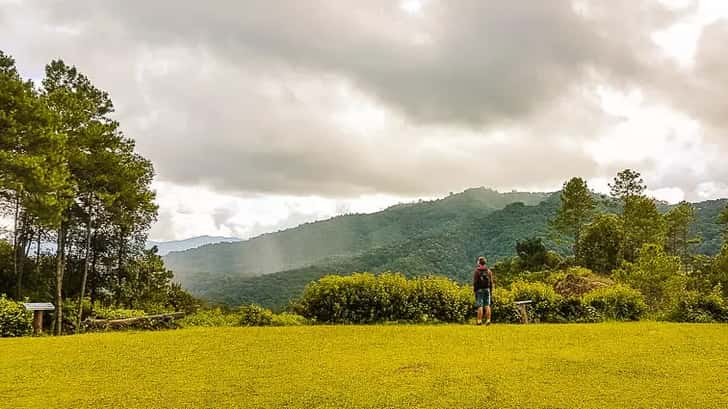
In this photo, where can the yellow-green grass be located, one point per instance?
(597, 365)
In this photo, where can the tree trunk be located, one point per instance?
(93, 279)
(37, 253)
(60, 266)
(19, 282)
(85, 268)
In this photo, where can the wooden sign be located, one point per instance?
(39, 306)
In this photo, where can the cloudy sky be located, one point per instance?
(260, 115)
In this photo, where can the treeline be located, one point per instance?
(79, 197)
(630, 241)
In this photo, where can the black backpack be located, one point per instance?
(483, 279)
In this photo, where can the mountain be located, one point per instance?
(341, 236)
(166, 247)
(449, 250)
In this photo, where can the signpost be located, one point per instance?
(38, 308)
(522, 309)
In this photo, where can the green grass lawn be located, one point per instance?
(591, 365)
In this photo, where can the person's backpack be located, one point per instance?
(483, 279)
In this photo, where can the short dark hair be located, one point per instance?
(481, 260)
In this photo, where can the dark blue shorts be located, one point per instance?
(482, 298)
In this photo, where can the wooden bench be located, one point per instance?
(38, 308)
(523, 310)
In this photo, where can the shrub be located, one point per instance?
(254, 316)
(440, 299)
(503, 308)
(209, 318)
(545, 299)
(15, 320)
(368, 298)
(574, 309)
(286, 319)
(700, 307)
(618, 302)
(111, 313)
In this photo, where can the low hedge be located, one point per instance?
(15, 320)
(619, 302)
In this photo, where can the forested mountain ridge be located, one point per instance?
(449, 251)
(346, 235)
(166, 247)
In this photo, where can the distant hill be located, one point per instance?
(166, 247)
(448, 248)
(341, 236)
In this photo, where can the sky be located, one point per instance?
(261, 115)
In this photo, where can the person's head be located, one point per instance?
(481, 260)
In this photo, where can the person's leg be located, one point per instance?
(480, 315)
(487, 308)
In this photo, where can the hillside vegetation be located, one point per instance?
(505, 366)
(447, 249)
(340, 236)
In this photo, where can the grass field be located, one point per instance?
(596, 365)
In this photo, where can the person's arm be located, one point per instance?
(492, 280)
(475, 281)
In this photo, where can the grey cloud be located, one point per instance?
(239, 95)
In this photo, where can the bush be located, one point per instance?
(574, 309)
(503, 308)
(619, 302)
(545, 300)
(286, 319)
(440, 299)
(209, 318)
(254, 316)
(110, 313)
(15, 320)
(368, 298)
(700, 307)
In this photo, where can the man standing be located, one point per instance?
(483, 288)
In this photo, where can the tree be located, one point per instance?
(679, 221)
(532, 253)
(643, 224)
(33, 175)
(577, 209)
(723, 220)
(626, 184)
(599, 248)
(657, 275)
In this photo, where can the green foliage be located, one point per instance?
(532, 253)
(245, 316)
(577, 208)
(110, 313)
(369, 298)
(679, 221)
(345, 236)
(254, 316)
(575, 309)
(503, 309)
(209, 318)
(723, 221)
(15, 320)
(643, 224)
(626, 184)
(700, 307)
(620, 302)
(656, 275)
(600, 245)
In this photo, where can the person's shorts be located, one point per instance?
(482, 298)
